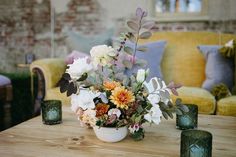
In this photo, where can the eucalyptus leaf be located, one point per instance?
(145, 35)
(140, 97)
(178, 111)
(127, 64)
(184, 108)
(148, 24)
(141, 62)
(170, 114)
(133, 25)
(140, 109)
(66, 76)
(125, 81)
(178, 101)
(72, 89)
(128, 50)
(165, 115)
(83, 77)
(138, 119)
(142, 49)
(64, 85)
(132, 38)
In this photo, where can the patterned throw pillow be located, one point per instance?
(218, 69)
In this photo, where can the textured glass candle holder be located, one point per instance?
(51, 112)
(196, 143)
(189, 119)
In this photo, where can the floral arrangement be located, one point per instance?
(103, 94)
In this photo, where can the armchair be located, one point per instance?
(49, 72)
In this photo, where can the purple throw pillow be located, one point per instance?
(218, 68)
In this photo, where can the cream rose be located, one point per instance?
(102, 55)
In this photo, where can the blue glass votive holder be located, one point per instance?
(188, 120)
(196, 143)
(51, 112)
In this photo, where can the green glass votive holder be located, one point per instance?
(51, 112)
(196, 143)
(188, 120)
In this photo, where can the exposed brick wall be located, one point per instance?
(25, 28)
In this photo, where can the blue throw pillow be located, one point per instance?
(84, 43)
(218, 68)
(153, 56)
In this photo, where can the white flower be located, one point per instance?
(102, 55)
(157, 90)
(134, 128)
(230, 44)
(79, 67)
(141, 75)
(150, 85)
(154, 115)
(89, 117)
(154, 98)
(84, 100)
(114, 111)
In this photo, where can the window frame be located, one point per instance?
(166, 17)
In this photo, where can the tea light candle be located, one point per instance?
(51, 112)
(189, 119)
(196, 143)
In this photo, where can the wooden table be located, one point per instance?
(34, 139)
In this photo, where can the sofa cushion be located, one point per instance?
(182, 62)
(54, 93)
(4, 80)
(153, 57)
(227, 106)
(218, 68)
(199, 96)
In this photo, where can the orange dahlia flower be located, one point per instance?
(101, 109)
(121, 97)
(110, 85)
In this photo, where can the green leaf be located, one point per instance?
(66, 76)
(125, 81)
(127, 64)
(132, 38)
(83, 77)
(170, 114)
(142, 49)
(178, 101)
(128, 50)
(138, 119)
(141, 62)
(64, 85)
(133, 25)
(140, 109)
(145, 35)
(72, 89)
(165, 115)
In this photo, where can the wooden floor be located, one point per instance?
(34, 139)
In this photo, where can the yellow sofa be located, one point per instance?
(182, 63)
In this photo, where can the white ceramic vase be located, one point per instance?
(110, 134)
